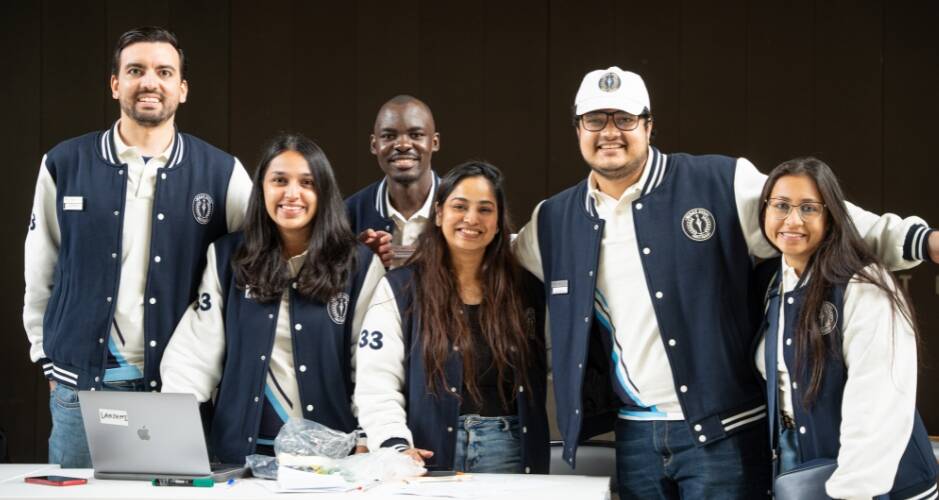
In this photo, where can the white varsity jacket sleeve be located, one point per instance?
(237, 197)
(886, 234)
(879, 395)
(528, 254)
(40, 257)
(376, 271)
(192, 362)
(525, 246)
(380, 376)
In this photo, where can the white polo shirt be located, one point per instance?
(127, 332)
(622, 303)
(408, 229)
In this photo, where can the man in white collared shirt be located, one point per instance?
(117, 238)
(403, 140)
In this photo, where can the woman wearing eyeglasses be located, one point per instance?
(839, 346)
(451, 363)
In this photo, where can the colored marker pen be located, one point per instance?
(200, 482)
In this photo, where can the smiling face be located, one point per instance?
(469, 217)
(796, 236)
(148, 84)
(290, 196)
(404, 140)
(613, 153)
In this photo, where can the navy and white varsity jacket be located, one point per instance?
(819, 426)
(367, 208)
(321, 335)
(83, 237)
(392, 385)
(699, 275)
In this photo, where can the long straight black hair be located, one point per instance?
(503, 321)
(840, 257)
(259, 262)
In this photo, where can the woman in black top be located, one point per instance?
(451, 361)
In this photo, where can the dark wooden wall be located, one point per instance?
(853, 82)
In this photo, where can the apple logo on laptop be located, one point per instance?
(143, 433)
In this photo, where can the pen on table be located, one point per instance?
(199, 482)
(230, 482)
(369, 485)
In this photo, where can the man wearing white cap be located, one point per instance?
(647, 267)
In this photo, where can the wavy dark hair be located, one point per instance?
(501, 314)
(841, 256)
(259, 262)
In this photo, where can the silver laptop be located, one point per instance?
(147, 435)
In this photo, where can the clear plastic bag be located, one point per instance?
(386, 464)
(310, 446)
(262, 466)
(311, 439)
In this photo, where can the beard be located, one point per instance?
(149, 119)
(619, 172)
(406, 177)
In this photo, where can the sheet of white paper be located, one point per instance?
(474, 487)
(289, 479)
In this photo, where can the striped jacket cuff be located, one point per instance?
(916, 245)
(61, 375)
(46, 365)
(361, 439)
(399, 444)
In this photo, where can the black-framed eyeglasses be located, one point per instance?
(779, 209)
(596, 121)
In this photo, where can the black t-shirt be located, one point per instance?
(487, 376)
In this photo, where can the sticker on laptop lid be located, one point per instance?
(112, 417)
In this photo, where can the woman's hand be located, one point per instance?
(418, 455)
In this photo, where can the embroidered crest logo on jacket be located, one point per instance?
(203, 206)
(337, 307)
(698, 224)
(827, 318)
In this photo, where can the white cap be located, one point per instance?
(612, 88)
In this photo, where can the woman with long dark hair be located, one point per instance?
(272, 328)
(451, 354)
(839, 345)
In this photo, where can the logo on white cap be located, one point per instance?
(612, 88)
(609, 82)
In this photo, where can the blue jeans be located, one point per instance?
(659, 459)
(488, 444)
(788, 454)
(68, 445)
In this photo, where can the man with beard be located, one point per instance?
(404, 139)
(647, 268)
(118, 235)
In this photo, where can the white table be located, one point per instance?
(482, 486)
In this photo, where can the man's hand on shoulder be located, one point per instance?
(380, 243)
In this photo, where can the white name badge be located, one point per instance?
(559, 287)
(73, 203)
